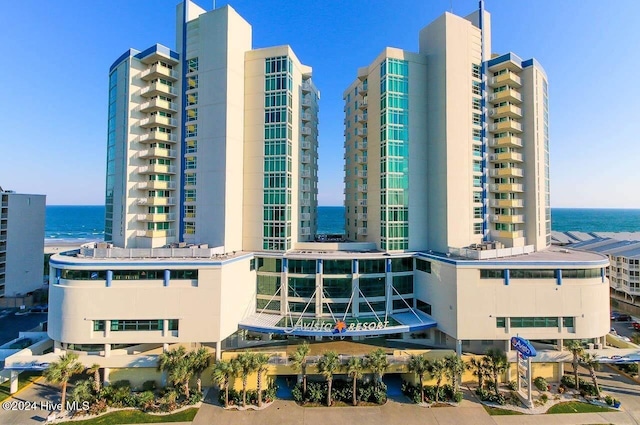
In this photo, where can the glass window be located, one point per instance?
(534, 322)
(173, 324)
(568, 322)
(98, 325)
(491, 274)
(301, 287)
(423, 307)
(184, 274)
(423, 265)
(371, 266)
(402, 264)
(336, 267)
(268, 285)
(403, 284)
(262, 304)
(372, 286)
(369, 308)
(532, 274)
(136, 325)
(403, 304)
(302, 266)
(501, 322)
(337, 288)
(273, 265)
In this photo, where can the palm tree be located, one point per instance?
(354, 370)
(168, 361)
(455, 368)
(479, 369)
(95, 371)
(327, 366)
(299, 363)
(61, 371)
(199, 360)
(222, 373)
(437, 370)
(589, 361)
(497, 363)
(420, 366)
(261, 361)
(378, 363)
(244, 365)
(179, 367)
(577, 351)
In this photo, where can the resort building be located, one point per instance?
(211, 211)
(448, 147)
(21, 242)
(212, 129)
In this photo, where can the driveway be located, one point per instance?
(38, 395)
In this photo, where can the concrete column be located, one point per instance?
(319, 294)
(355, 300)
(560, 344)
(167, 277)
(106, 371)
(165, 347)
(109, 277)
(107, 350)
(14, 382)
(57, 347)
(165, 327)
(389, 287)
(107, 328)
(560, 370)
(458, 347)
(218, 350)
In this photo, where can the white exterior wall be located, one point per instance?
(22, 228)
(208, 309)
(534, 153)
(451, 44)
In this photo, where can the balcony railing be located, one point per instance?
(156, 233)
(362, 145)
(509, 125)
(305, 202)
(305, 144)
(361, 159)
(305, 231)
(362, 202)
(154, 120)
(506, 156)
(156, 169)
(362, 230)
(506, 203)
(156, 201)
(305, 216)
(506, 78)
(157, 135)
(362, 174)
(156, 184)
(305, 187)
(506, 95)
(156, 153)
(157, 71)
(158, 104)
(306, 131)
(362, 117)
(306, 159)
(362, 188)
(507, 218)
(512, 171)
(362, 216)
(158, 89)
(156, 217)
(305, 173)
(506, 187)
(497, 142)
(306, 87)
(305, 116)
(362, 132)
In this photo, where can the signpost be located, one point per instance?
(525, 352)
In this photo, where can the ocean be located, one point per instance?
(86, 223)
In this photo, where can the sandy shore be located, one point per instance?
(55, 247)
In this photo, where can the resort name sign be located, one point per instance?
(523, 346)
(338, 327)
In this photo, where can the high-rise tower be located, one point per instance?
(214, 143)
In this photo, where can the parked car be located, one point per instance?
(39, 309)
(620, 317)
(635, 326)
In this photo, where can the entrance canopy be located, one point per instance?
(410, 321)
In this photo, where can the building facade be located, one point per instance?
(213, 129)
(21, 242)
(448, 147)
(447, 206)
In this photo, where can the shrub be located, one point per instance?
(512, 385)
(149, 386)
(269, 394)
(194, 397)
(145, 399)
(540, 383)
(380, 394)
(98, 406)
(561, 389)
(568, 381)
(296, 393)
(544, 398)
(457, 397)
(122, 384)
(609, 400)
(83, 391)
(315, 392)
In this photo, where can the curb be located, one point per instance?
(623, 373)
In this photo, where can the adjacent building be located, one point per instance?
(21, 242)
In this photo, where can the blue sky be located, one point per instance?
(57, 56)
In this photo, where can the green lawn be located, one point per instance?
(137, 417)
(577, 407)
(24, 379)
(494, 411)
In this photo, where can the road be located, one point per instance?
(12, 324)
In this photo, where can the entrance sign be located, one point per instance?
(523, 347)
(523, 361)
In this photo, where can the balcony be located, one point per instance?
(508, 95)
(305, 144)
(152, 201)
(157, 169)
(362, 216)
(362, 231)
(305, 216)
(361, 146)
(505, 157)
(305, 116)
(159, 71)
(305, 231)
(305, 174)
(362, 174)
(156, 153)
(305, 159)
(307, 103)
(506, 203)
(305, 188)
(362, 188)
(512, 111)
(361, 132)
(306, 87)
(155, 184)
(362, 117)
(158, 105)
(508, 141)
(362, 202)
(507, 218)
(505, 234)
(361, 159)
(306, 131)
(363, 89)
(508, 77)
(157, 136)
(156, 217)
(509, 125)
(157, 89)
(305, 202)
(155, 233)
(506, 187)
(506, 172)
(156, 120)
(363, 103)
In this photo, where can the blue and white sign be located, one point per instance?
(523, 346)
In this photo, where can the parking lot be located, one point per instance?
(11, 324)
(624, 328)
